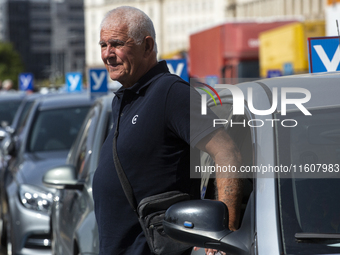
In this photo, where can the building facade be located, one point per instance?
(3, 20)
(304, 9)
(48, 34)
(68, 37)
(174, 20)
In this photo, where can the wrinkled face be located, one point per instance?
(122, 57)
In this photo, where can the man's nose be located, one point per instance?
(110, 51)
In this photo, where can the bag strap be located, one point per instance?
(121, 174)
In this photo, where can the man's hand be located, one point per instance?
(210, 251)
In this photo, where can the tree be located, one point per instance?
(10, 63)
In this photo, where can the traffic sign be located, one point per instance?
(179, 67)
(273, 73)
(74, 82)
(324, 54)
(211, 80)
(26, 81)
(98, 81)
(288, 68)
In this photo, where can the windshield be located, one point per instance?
(309, 203)
(8, 110)
(56, 129)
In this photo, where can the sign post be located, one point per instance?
(74, 82)
(179, 67)
(98, 82)
(323, 54)
(26, 81)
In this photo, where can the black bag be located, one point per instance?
(151, 211)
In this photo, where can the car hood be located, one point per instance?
(35, 165)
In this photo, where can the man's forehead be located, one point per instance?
(114, 32)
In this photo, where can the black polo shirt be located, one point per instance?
(153, 147)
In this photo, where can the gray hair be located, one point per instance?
(139, 24)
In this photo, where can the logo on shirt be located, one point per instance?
(134, 119)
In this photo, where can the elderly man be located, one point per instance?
(154, 138)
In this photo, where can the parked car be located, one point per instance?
(11, 141)
(291, 163)
(48, 135)
(73, 223)
(9, 104)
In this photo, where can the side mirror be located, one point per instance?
(8, 145)
(3, 134)
(62, 177)
(202, 223)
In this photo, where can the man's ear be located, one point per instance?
(149, 45)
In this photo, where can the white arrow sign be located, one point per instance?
(331, 65)
(98, 80)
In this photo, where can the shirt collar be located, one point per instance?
(146, 79)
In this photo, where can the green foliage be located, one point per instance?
(10, 63)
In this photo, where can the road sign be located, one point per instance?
(74, 82)
(273, 73)
(288, 68)
(26, 81)
(179, 67)
(324, 54)
(98, 81)
(211, 80)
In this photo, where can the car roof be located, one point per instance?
(12, 96)
(323, 87)
(65, 100)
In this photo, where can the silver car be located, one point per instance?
(73, 224)
(291, 157)
(51, 128)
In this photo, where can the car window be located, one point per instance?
(309, 204)
(24, 116)
(241, 135)
(8, 110)
(91, 131)
(55, 129)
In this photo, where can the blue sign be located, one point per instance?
(74, 82)
(273, 73)
(324, 54)
(26, 81)
(179, 67)
(288, 68)
(98, 81)
(211, 80)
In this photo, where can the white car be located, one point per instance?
(290, 166)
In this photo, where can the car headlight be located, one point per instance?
(35, 198)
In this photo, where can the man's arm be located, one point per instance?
(224, 152)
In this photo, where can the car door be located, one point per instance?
(243, 136)
(72, 201)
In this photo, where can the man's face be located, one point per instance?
(123, 59)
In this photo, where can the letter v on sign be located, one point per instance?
(324, 54)
(331, 65)
(178, 67)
